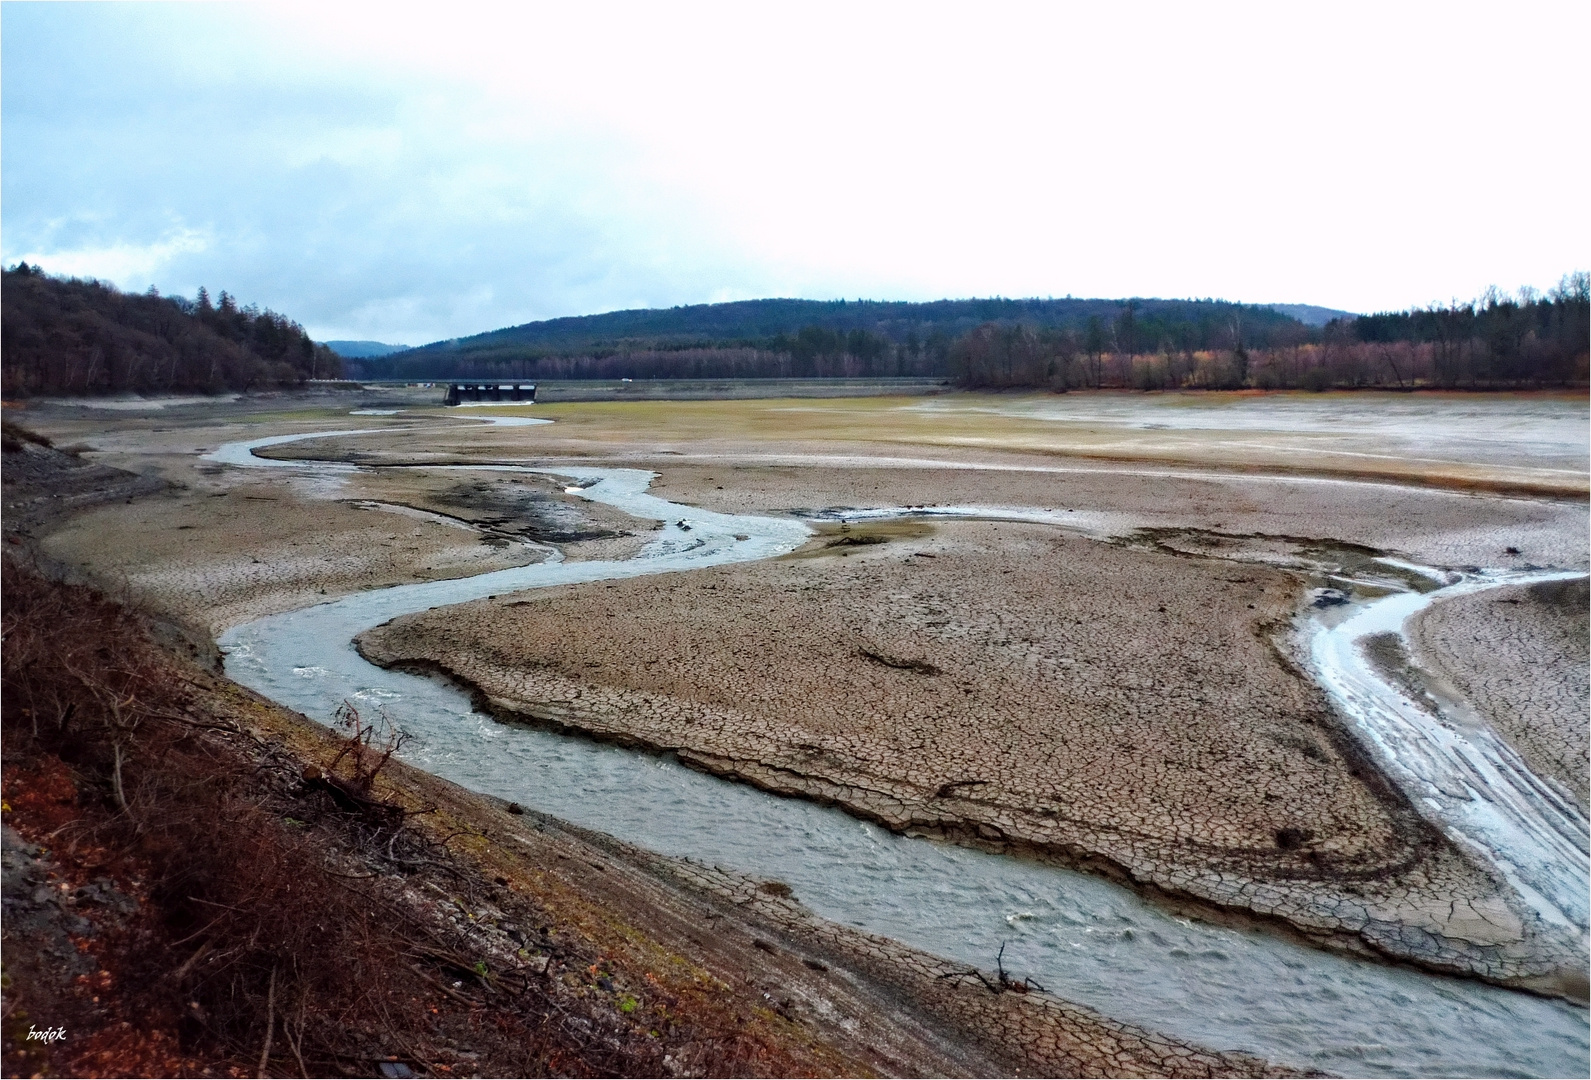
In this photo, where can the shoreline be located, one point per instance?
(856, 1002)
(782, 785)
(1300, 897)
(1559, 986)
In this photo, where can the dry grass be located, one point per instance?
(264, 942)
(300, 908)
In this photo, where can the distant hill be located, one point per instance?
(755, 321)
(73, 336)
(1146, 344)
(358, 350)
(1310, 315)
(874, 337)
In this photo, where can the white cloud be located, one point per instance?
(415, 172)
(1359, 155)
(132, 266)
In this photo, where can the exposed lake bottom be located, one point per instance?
(1083, 938)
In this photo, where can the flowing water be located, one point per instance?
(1083, 938)
(1471, 783)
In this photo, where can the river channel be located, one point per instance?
(1083, 938)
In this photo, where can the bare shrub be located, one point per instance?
(270, 942)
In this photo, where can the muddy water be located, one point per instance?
(1461, 776)
(1081, 937)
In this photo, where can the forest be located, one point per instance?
(70, 336)
(85, 337)
(799, 338)
(1495, 342)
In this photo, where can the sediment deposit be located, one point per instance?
(734, 971)
(1011, 686)
(223, 549)
(1111, 692)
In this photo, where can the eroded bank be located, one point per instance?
(608, 781)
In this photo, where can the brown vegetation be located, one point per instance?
(279, 915)
(1492, 343)
(1495, 341)
(198, 885)
(210, 750)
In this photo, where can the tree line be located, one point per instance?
(76, 336)
(1495, 342)
(70, 336)
(819, 338)
(902, 340)
(813, 352)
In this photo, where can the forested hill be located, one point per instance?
(756, 321)
(1495, 342)
(872, 337)
(71, 336)
(360, 349)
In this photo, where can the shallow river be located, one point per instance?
(1083, 938)
(1461, 775)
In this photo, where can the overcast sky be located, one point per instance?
(409, 173)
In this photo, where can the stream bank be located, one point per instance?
(1221, 987)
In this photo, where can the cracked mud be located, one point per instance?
(1126, 707)
(1519, 656)
(1010, 686)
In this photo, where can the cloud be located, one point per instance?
(360, 206)
(434, 171)
(120, 262)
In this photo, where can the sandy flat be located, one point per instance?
(233, 545)
(1520, 443)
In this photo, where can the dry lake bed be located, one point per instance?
(1259, 721)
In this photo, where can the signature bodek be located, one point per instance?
(48, 1035)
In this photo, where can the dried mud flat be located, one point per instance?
(1115, 695)
(221, 550)
(1124, 709)
(815, 997)
(736, 974)
(522, 945)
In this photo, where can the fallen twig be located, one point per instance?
(270, 1023)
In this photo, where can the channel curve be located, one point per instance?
(1465, 779)
(1089, 940)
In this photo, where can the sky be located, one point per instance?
(413, 172)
